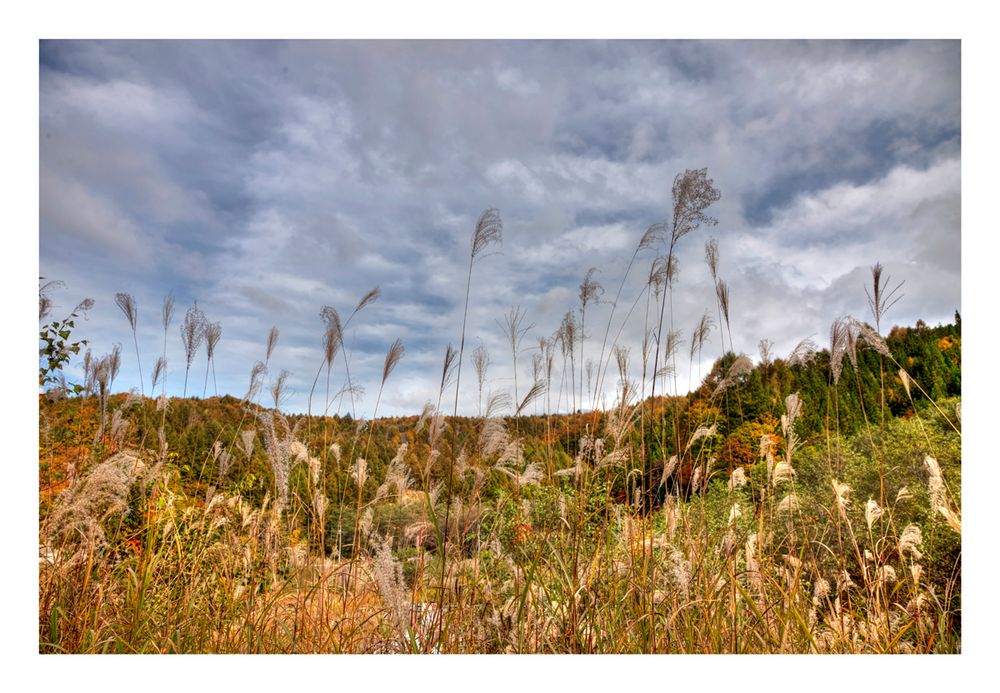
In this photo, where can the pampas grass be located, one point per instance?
(590, 292)
(514, 329)
(481, 363)
(192, 335)
(127, 304)
(213, 333)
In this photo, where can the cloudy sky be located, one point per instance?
(265, 180)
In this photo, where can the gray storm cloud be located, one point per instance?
(265, 180)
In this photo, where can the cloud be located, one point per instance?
(268, 179)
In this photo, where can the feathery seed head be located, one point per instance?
(722, 293)
(368, 299)
(272, 341)
(910, 542)
(741, 366)
(935, 482)
(669, 468)
(712, 257)
(788, 504)
(653, 234)
(359, 472)
(839, 346)
(158, 370)
(246, 441)
(213, 332)
(658, 275)
(782, 472)
(885, 575)
(256, 376)
(702, 432)
(536, 391)
(840, 492)
(450, 354)
(332, 334)
(693, 192)
(872, 512)
(821, 589)
(737, 478)
(803, 353)
(953, 519)
(392, 358)
(489, 230)
(127, 304)
(590, 290)
(167, 314)
(192, 331)
(700, 334)
(481, 362)
(278, 388)
(866, 334)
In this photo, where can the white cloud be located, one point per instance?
(267, 180)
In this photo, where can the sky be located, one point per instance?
(265, 180)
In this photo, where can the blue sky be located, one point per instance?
(265, 180)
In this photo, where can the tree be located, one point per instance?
(56, 347)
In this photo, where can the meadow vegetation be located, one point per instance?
(805, 504)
